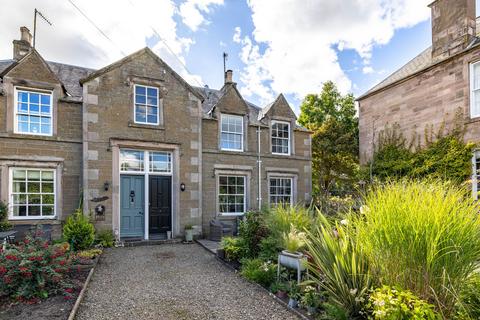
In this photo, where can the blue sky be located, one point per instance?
(288, 46)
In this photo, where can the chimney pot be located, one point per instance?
(228, 76)
(23, 46)
(26, 35)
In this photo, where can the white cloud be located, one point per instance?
(193, 12)
(72, 39)
(300, 41)
(237, 35)
(368, 70)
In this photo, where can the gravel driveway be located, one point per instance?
(172, 282)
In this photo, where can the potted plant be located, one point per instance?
(279, 289)
(311, 299)
(292, 257)
(188, 233)
(293, 294)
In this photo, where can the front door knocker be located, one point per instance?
(132, 196)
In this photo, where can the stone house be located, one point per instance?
(431, 89)
(139, 148)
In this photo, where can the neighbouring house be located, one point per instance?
(139, 148)
(433, 87)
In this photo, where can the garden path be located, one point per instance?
(172, 282)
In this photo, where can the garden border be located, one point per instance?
(275, 298)
(74, 310)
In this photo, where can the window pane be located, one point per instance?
(33, 175)
(34, 108)
(160, 162)
(152, 92)
(47, 187)
(19, 174)
(19, 187)
(47, 211)
(131, 160)
(45, 99)
(48, 199)
(23, 107)
(23, 96)
(19, 211)
(140, 99)
(34, 97)
(34, 210)
(19, 199)
(47, 175)
(140, 90)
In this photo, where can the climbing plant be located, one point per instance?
(443, 154)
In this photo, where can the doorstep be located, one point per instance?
(140, 242)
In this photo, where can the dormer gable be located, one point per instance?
(231, 101)
(32, 69)
(278, 109)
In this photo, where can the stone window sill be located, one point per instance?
(145, 126)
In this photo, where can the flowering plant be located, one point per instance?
(34, 269)
(294, 240)
(393, 303)
(311, 297)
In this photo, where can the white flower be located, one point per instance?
(344, 222)
(353, 292)
(364, 209)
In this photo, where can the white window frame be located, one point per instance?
(146, 162)
(289, 139)
(473, 89)
(16, 113)
(475, 174)
(232, 214)
(146, 105)
(283, 178)
(10, 194)
(222, 116)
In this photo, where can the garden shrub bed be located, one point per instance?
(42, 280)
(52, 308)
(411, 251)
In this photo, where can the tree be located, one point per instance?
(332, 118)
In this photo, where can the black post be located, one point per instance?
(34, 26)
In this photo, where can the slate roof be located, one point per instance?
(419, 63)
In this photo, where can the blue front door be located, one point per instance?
(132, 202)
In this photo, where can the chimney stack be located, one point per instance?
(24, 45)
(453, 26)
(228, 76)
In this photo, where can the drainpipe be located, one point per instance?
(259, 161)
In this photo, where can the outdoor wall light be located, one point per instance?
(182, 186)
(106, 185)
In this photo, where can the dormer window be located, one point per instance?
(146, 105)
(231, 136)
(280, 137)
(33, 112)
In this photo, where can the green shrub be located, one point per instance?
(469, 304)
(280, 219)
(89, 253)
(423, 236)
(338, 266)
(262, 272)
(4, 224)
(388, 303)
(105, 238)
(78, 231)
(252, 230)
(234, 248)
(34, 269)
(269, 248)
